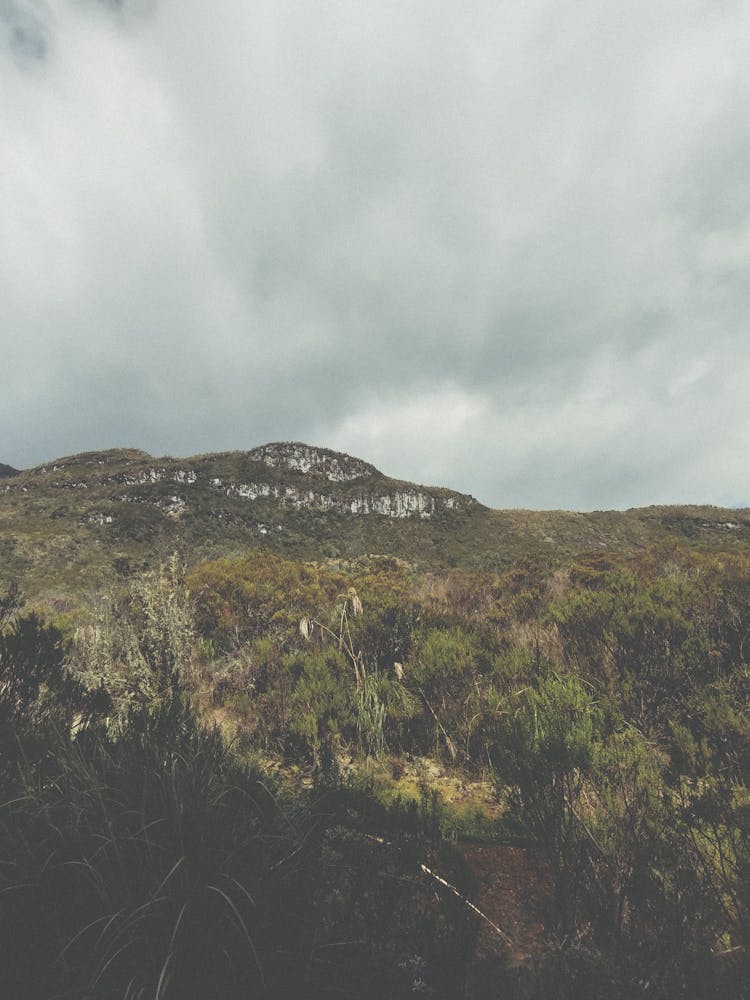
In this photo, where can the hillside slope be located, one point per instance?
(65, 525)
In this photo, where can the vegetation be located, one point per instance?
(260, 775)
(142, 857)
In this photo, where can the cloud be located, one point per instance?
(611, 439)
(503, 249)
(24, 28)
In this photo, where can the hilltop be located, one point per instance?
(65, 525)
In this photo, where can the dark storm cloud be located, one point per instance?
(500, 247)
(24, 28)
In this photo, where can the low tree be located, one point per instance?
(545, 750)
(34, 680)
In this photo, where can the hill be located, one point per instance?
(552, 737)
(65, 525)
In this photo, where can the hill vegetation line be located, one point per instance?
(231, 769)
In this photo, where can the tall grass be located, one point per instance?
(149, 862)
(128, 861)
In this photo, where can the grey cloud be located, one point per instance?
(25, 28)
(294, 220)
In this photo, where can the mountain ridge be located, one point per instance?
(66, 523)
(348, 480)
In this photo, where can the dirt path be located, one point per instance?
(513, 890)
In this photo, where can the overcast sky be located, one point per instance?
(497, 246)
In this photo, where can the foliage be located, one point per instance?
(149, 861)
(36, 687)
(610, 699)
(321, 700)
(545, 751)
(261, 594)
(139, 644)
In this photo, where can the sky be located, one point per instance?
(502, 247)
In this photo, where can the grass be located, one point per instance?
(127, 854)
(465, 809)
(152, 862)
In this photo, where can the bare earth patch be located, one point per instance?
(512, 888)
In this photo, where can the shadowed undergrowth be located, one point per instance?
(152, 863)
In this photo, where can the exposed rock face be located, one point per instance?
(398, 502)
(304, 458)
(152, 475)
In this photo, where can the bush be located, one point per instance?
(150, 862)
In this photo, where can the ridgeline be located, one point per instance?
(65, 525)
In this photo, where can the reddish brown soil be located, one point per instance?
(513, 890)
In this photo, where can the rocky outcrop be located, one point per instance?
(7, 470)
(397, 502)
(139, 477)
(296, 457)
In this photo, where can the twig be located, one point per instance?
(452, 888)
(456, 892)
(448, 740)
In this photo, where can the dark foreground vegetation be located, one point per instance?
(149, 861)
(145, 850)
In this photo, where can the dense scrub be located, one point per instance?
(145, 859)
(607, 702)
